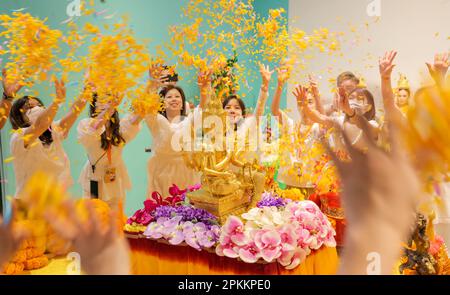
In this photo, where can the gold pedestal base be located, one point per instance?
(221, 206)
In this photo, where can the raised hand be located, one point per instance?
(100, 247)
(266, 74)
(118, 98)
(156, 74)
(344, 104)
(313, 84)
(10, 89)
(300, 94)
(155, 70)
(60, 90)
(283, 74)
(204, 79)
(440, 66)
(386, 64)
(88, 84)
(380, 193)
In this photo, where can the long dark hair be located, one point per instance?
(370, 115)
(114, 124)
(163, 94)
(19, 120)
(240, 102)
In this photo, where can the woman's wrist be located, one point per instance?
(351, 113)
(300, 105)
(280, 85)
(56, 104)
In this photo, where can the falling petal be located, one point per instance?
(67, 21)
(101, 12)
(110, 16)
(9, 159)
(20, 9)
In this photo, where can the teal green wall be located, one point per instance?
(149, 19)
(262, 7)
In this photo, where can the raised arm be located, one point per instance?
(69, 119)
(352, 112)
(300, 93)
(386, 66)
(283, 76)
(334, 106)
(156, 74)
(380, 193)
(77, 107)
(204, 83)
(155, 78)
(45, 120)
(136, 119)
(9, 92)
(316, 94)
(106, 114)
(266, 75)
(440, 67)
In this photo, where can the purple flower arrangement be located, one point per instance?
(197, 235)
(179, 222)
(271, 200)
(187, 213)
(144, 216)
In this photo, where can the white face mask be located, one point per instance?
(360, 108)
(34, 113)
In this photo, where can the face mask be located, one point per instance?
(34, 113)
(359, 107)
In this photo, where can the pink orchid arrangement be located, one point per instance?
(176, 195)
(283, 234)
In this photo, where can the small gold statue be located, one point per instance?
(225, 191)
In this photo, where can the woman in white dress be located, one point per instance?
(245, 130)
(104, 136)
(167, 165)
(359, 102)
(36, 144)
